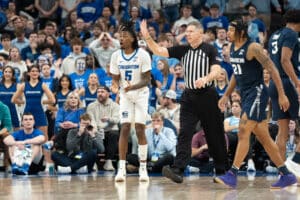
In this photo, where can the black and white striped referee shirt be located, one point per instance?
(196, 62)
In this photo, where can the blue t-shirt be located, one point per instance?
(49, 82)
(79, 81)
(209, 22)
(107, 81)
(90, 11)
(20, 135)
(232, 121)
(178, 89)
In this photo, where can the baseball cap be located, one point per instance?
(171, 94)
(104, 87)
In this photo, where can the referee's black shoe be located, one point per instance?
(173, 173)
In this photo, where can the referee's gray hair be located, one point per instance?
(197, 24)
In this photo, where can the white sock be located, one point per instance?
(122, 164)
(143, 164)
(142, 151)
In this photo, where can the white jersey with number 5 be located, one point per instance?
(134, 103)
(130, 67)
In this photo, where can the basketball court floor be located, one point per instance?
(102, 186)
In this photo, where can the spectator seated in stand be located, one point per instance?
(200, 157)
(105, 115)
(161, 147)
(170, 109)
(25, 147)
(82, 145)
(67, 117)
(5, 129)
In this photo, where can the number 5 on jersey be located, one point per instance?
(128, 75)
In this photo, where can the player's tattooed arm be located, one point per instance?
(261, 56)
(145, 80)
(258, 53)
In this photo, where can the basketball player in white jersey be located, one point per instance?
(131, 71)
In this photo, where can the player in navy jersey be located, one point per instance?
(131, 70)
(248, 60)
(8, 87)
(284, 52)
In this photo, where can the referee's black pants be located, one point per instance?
(201, 104)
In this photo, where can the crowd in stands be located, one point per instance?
(55, 74)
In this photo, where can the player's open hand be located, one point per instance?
(283, 102)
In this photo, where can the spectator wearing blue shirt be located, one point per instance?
(69, 115)
(135, 17)
(221, 83)
(220, 3)
(28, 139)
(107, 16)
(30, 53)
(90, 10)
(160, 23)
(20, 41)
(80, 76)
(161, 146)
(4, 4)
(263, 9)
(220, 41)
(107, 81)
(171, 9)
(215, 19)
(63, 89)
(231, 127)
(165, 41)
(178, 84)
(256, 27)
(225, 63)
(82, 145)
(167, 77)
(82, 29)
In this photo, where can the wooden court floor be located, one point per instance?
(102, 186)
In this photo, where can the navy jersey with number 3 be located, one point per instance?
(284, 37)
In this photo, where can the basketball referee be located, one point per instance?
(199, 101)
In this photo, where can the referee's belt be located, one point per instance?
(199, 89)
